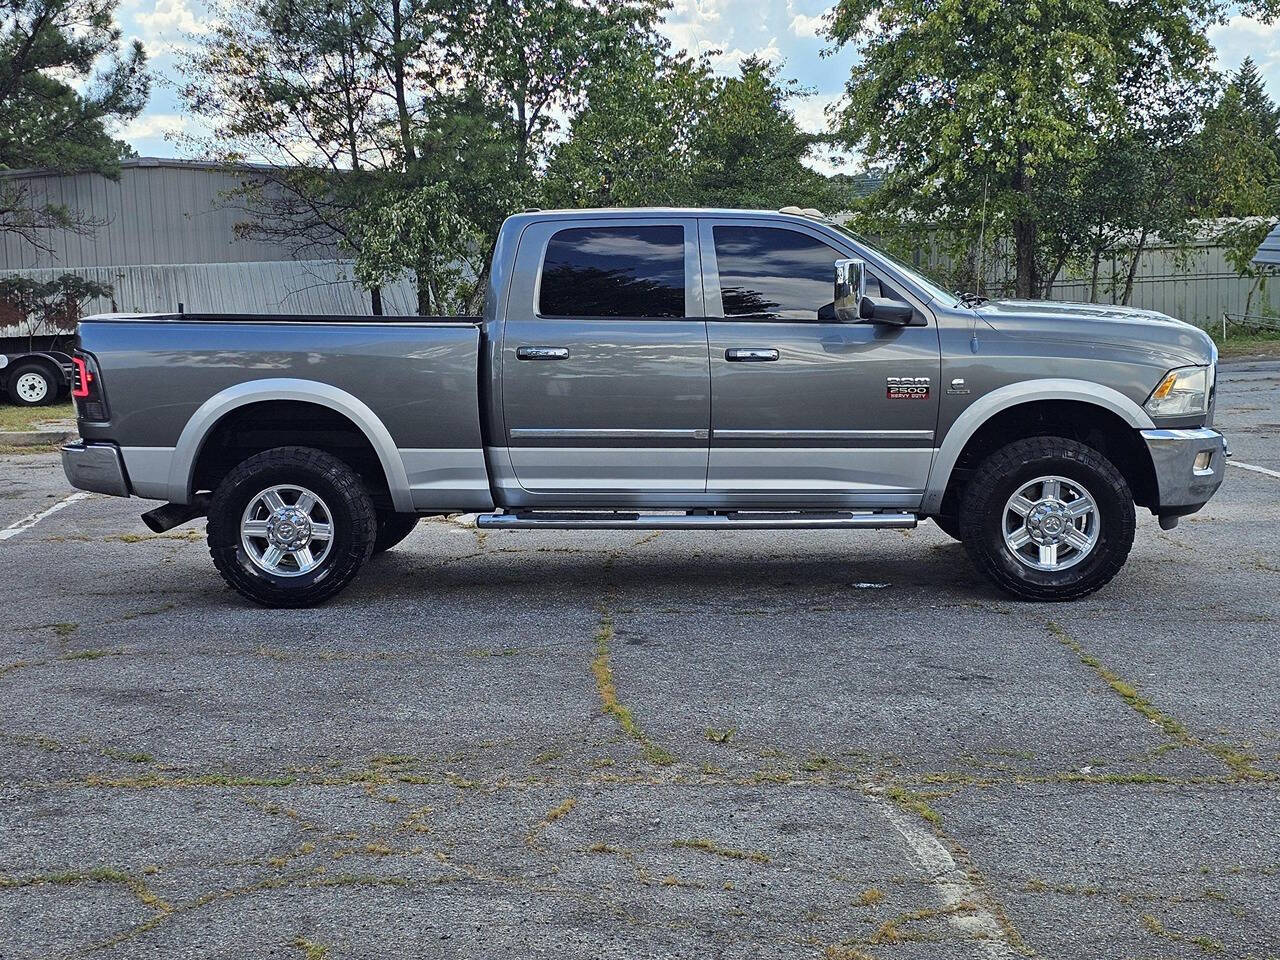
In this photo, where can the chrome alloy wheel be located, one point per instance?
(286, 530)
(1051, 524)
(32, 387)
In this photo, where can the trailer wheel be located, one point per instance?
(392, 529)
(291, 527)
(31, 385)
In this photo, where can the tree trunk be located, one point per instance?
(1053, 277)
(398, 68)
(1133, 267)
(1027, 283)
(424, 294)
(376, 294)
(1093, 286)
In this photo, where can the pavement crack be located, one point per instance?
(602, 669)
(1241, 764)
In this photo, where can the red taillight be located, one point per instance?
(86, 389)
(80, 389)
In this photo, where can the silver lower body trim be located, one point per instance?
(447, 479)
(819, 469)
(149, 473)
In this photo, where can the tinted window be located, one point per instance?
(614, 272)
(775, 274)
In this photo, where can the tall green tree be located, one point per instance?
(65, 80)
(662, 130)
(632, 143)
(1240, 170)
(538, 57)
(981, 105)
(389, 124)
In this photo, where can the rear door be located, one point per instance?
(605, 376)
(804, 408)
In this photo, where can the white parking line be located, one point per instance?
(26, 523)
(1256, 469)
(959, 892)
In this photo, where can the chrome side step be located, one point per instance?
(725, 520)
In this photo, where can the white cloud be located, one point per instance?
(164, 25)
(727, 61)
(1242, 37)
(153, 126)
(811, 112)
(803, 25)
(697, 9)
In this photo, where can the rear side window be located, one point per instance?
(614, 272)
(769, 273)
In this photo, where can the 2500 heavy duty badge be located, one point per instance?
(907, 388)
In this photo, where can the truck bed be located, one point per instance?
(410, 382)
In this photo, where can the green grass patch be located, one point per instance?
(29, 418)
(729, 853)
(603, 673)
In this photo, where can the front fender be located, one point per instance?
(1016, 394)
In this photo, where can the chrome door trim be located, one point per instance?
(824, 434)
(619, 433)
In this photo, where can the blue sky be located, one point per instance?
(785, 31)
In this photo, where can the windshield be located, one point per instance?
(931, 287)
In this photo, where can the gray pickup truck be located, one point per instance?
(659, 369)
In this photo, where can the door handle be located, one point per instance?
(542, 353)
(751, 354)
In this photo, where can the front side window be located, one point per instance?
(768, 273)
(614, 272)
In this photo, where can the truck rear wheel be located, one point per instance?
(291, 527)
(1048, 518)
(393, 528)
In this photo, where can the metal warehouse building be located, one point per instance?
(167, 237)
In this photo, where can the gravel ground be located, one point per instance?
(614, 745)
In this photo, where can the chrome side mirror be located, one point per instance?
(851, 287)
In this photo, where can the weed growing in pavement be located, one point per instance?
(729, 853)
(603, 672)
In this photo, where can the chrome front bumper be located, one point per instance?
(1186, 480)
(95, 466)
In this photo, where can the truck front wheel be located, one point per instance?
(1048, 518)
(291, 527)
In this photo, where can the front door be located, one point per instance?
(806, 409)
(605, 377)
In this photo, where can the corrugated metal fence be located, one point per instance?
(1192, 282)
(274, 286)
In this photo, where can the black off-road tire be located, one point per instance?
(393, 528)
(29, 369)
(950, 525)
(353, 518)
(1009, 468)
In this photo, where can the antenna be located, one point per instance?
(980, 280)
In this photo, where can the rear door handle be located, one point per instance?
(542, 353)
(751, 354)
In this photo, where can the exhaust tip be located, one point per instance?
(171, 515)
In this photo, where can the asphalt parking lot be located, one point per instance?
(612, 745)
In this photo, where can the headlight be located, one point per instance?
(1182, 393)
